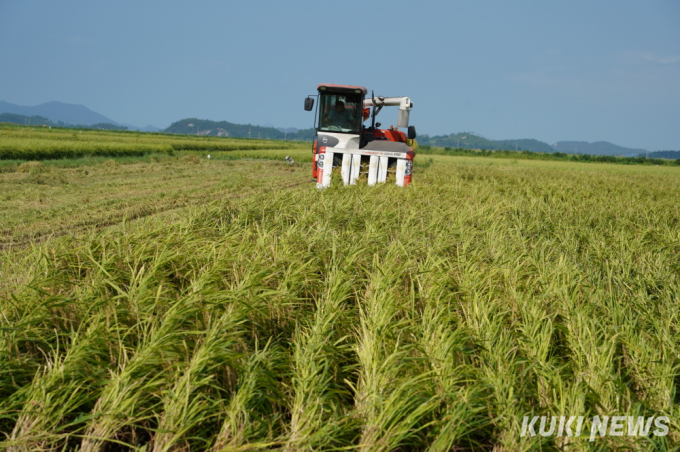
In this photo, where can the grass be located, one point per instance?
(357, 318)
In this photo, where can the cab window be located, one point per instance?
(340, 112)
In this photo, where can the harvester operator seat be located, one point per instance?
(340, 116)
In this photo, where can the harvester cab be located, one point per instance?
(360, 151)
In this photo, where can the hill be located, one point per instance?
(58, 111)
(595, 148)
(42, 121)
(465, 140)
(194, 126)
(26, 120)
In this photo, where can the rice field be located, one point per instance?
(41, 143)
(43, 200)
(433, 317)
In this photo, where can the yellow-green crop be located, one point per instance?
(41, 143)
(432, 317)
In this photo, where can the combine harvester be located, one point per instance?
(343, 140)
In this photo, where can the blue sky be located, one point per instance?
(551, 70)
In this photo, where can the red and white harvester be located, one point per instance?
(379, 155)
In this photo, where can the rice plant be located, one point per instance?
(434, 317)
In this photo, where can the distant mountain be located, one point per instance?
(71, 115)
(194, 126)
(467, 140)
(596, 148)
(58, 111)
(42, 121)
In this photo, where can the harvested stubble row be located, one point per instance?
(433, 317)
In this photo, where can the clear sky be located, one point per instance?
(551, 70)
